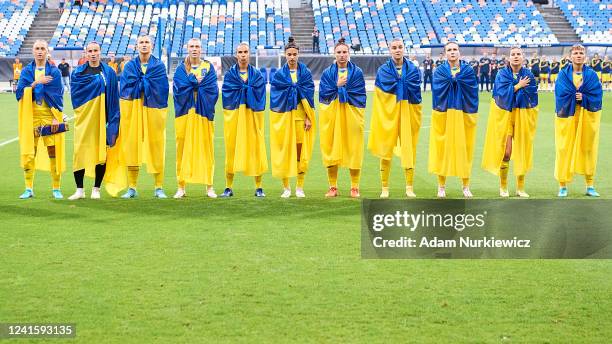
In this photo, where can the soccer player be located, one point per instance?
(40, 96)
(544, 72)
(554, 72)
(596, 64)
(534, 63)
(144, 105)
(605, 72)
(512, 123)
(475, 64)
(440, 60)
(342, 96)
(195, 93)
(113, 64)
(95, 99)
(428, 67)
(453, 121)
(485, 70)
(564, 61)
(244, 101)
(396, 116)
(292, 121)
(578, 99)
(494, 69)
(17, 67)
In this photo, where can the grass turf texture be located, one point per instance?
(275, 270)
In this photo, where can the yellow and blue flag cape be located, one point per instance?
(143, 105)
(577, 124)
(396, 116)
(289, 103)
(244, 131)
(194, 112)
(53, 95)
(95, 99)
(341, 117)
(453, 121)
(511, 114)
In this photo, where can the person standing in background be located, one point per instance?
(428, 66)
(315, 40)
(64, 68)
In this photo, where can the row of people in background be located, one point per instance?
(118, 128)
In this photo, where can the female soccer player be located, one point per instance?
(292, 120)
(195, 93)
(342, 96)
(512, 123)
(453, 120)
(396, 117)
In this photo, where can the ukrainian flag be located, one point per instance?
(290, 104)
(396, 117)
(341, 117)
(50, 95)
(95, 99)
(143, 105)
(194, 111)
(511, 114)
(244, 132)
(453, 120)
(577, 123)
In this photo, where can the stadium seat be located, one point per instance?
(16, 18)
(590, 19)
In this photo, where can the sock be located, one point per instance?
(465, 182)
(562, 184)
(55, 176)
(409, 175)
(589, 180)
(78, 178)
(258, 182)
(503, 174)
(520, 182)
(229, 180)
(300, 180)
(385, 171)
(133, 176)
(181, 184)
(355, 176)
(286, 183)
(28, 175)
(159, 180)
(100, 171)
(441, 181)
(332, 175)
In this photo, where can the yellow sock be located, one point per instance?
(159, 180)
(332, 175)
(590, 181)
(503, 174)
(355, 176)
(28, 175)
(181, 184)
(258, 182)
(465, 182)
(133, 176)
(385, 171)
(300, 179)
(55, 176)
(409, 175)
(520, 182)
(286, 183)
(229, 180)
(441, 180)
(562, 184)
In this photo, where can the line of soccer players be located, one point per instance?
(118, 128)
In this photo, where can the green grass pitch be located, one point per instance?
(274, 270)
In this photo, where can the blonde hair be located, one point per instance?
(187, 60)
(577, 47)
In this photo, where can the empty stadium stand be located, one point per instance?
(16, 18)
(592, 20)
